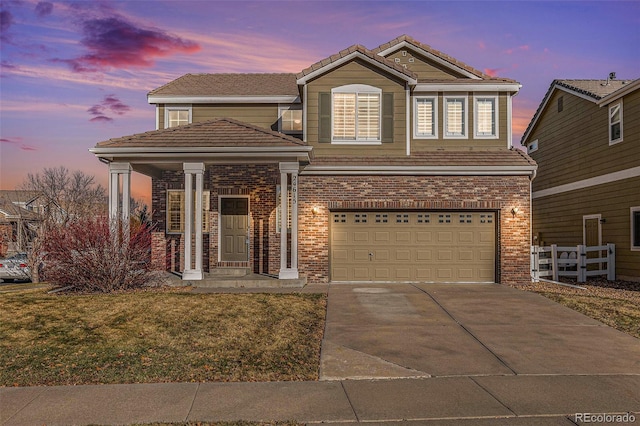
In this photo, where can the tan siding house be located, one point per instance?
(585, 138)
(391, 164)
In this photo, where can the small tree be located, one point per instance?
(88, 256)
(66, 196)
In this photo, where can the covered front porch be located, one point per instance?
(243, 180)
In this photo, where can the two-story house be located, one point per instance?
(585, 137)
(386, 165)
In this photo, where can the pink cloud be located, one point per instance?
(116, 43)
(110, 103)
(493, 72)
(523, 48)
(481, 45)
(28, 148)
(17, 141)
(44, 8)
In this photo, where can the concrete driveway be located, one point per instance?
(432, 330)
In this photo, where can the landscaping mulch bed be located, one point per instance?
(615, 303)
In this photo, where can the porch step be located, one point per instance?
(229, 272)
(246, 281)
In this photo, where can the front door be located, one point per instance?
(234, 229)
(592, 237)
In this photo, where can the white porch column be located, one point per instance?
(117, 170)
(192, 221)
(285, 170)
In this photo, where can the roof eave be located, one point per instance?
(313, 74)
(485, 87)
(179, 99)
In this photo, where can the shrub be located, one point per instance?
(99, 256)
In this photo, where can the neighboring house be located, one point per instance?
(20, 214)
(585, 137)
(394, 164)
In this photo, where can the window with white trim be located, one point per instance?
(486, 116)
(425, 117)
(615, 123)
(455, 117)
(356, 113)
(290, 119)
(176, 211)
(532, 147)
(635, 228)
(177, 116)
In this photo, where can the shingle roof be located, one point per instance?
(353, 49)
(230, 85)
(594, 89)
(498, 157)
(221, 132)
(441, 55)
(9, 210)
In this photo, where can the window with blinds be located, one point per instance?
(485, 116)
(615, 123)
(356, 113)
(455, 117)
(177, 117)
(176, 212)
(425, 117)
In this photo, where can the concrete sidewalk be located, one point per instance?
(479, 400)
(429, 354)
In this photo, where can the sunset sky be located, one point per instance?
(76, 73)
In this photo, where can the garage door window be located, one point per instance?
(382, 218)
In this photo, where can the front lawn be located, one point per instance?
(157, 336)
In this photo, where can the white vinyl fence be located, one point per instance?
(553, 261)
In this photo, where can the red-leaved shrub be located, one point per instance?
(99, 256)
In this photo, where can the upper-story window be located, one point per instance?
(177, 115)
(425, 117)
(486, 116)
(615, 123)
(455, 117)
(635, 228)
(290, 120)
(356, 113)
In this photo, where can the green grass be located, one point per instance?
(147, 337)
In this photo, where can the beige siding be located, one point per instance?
(357, 72)
(425, 68)
(574, 144)
(557, 219)
(421, 145)
(263, 115)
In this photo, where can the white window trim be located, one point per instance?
(206, 207)
(532, 146)
(633, 210)
(496, 116)
(168, 108)
(434, 99)
(357, 88)
(616, 141)
(465, 115)
(287, 107)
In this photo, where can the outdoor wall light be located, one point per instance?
(514, 211)
(315, 210)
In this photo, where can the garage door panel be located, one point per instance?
(413, 246)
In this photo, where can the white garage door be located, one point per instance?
(413, 246)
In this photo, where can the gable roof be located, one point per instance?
(590, 90)
(355, 51)
(221, 132)
(9, 210)
(432, 53)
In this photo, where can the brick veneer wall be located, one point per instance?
(256, 181)
(499, 193)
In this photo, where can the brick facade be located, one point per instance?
(496, 193)
(258, 182)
